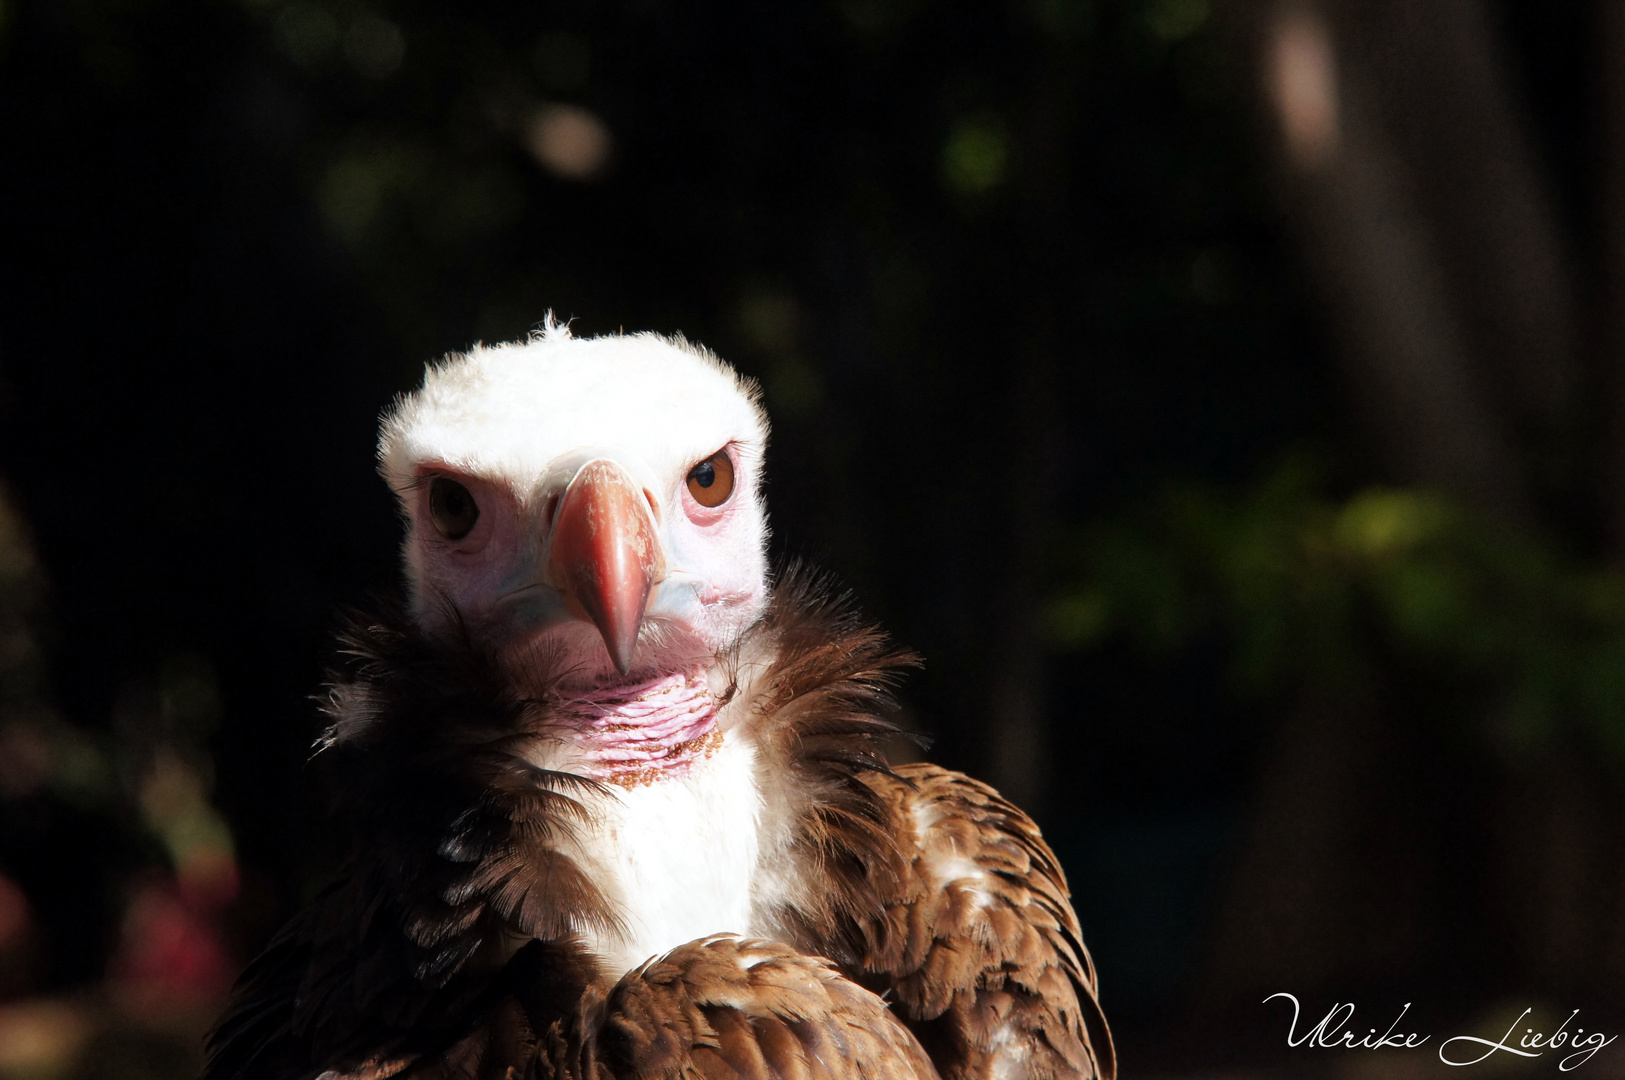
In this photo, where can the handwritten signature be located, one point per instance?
(1333, 1031)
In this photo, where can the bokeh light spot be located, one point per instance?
(307, 33)
(374, 46)
(568, 141)
(40, 1038)
(1067, 20)
(976, 155)
(770, 320)
(1172, 20)
(1303, 84)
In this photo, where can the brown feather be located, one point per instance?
(979, 945)
(406, 965)
(728, 1008)
(452, 833)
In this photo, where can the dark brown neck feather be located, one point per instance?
(454, 833)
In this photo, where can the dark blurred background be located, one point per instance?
(1226, 396)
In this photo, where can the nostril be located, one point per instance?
(550, 512)
(654, 506)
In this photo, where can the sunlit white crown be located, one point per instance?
(507, 411)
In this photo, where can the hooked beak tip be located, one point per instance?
(619, 624)
(622, 653)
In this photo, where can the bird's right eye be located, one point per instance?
(451, 508)
(712, 480)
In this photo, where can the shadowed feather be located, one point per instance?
(449, 946)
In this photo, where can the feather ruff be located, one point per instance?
(454, 837)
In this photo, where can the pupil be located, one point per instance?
(705, 473)
(452, 508)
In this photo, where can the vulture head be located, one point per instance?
(591, 506)
(595, 743)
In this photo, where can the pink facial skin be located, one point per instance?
(634, 734)
(465, 574)
(497, 578)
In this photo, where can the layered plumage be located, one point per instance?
(537, 889)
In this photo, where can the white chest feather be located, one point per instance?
(676, 857)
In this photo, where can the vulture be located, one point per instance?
(615, 793)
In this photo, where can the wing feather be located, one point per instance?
(979, 943)
(727, 1008)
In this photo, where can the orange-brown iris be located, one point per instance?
(712, 480)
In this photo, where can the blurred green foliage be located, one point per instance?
(976, 155)
(1306, 588)
(286, 206)
(885, 210)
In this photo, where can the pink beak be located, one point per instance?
(606, 555)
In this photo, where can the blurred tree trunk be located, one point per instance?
(1412, 186)
(1558, 851)
(1609, 323)
(1413, 189)
(1016, 736)
(1330, 886)
(1610, 293)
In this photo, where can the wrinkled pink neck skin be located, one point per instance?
(636, 734)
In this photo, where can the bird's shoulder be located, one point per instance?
(742, 1009)
(978, 943)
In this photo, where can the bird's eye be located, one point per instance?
(451, 508)
(712, 480)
